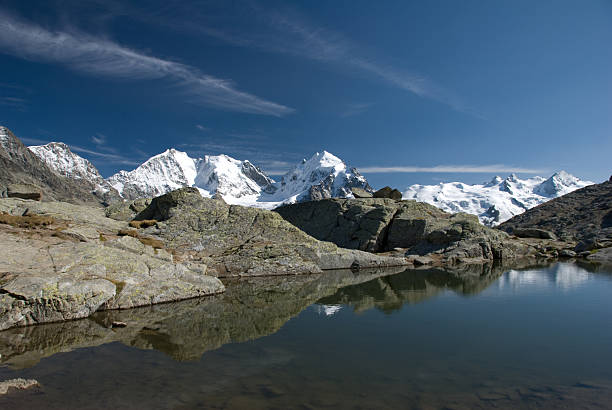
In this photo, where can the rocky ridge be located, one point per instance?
(582, 217)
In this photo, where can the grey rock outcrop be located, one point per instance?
(234, 240)
(77, 265)
(379, 225)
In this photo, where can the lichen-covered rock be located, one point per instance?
(48, 279)
(238, 240)
(381, 224)
(127, 210)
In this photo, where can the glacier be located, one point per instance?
(497, 200)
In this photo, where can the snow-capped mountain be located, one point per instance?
(322, 176)
(162, 173)
(239, 182)
(61, 160)
(497, 200)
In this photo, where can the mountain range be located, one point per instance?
(497, 200)
(237, 182)
(324, 175)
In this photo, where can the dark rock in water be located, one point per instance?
(576, 216)
(534, 233)
(24, 191)
(388, 192)
(382, 224)
(361, 193)
(236, 240)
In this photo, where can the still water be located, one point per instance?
(483, 337)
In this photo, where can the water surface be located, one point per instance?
(483, 337)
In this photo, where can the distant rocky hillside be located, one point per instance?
(19, 165)
(497, 200)
(579, 215)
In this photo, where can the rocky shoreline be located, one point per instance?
(65, 261)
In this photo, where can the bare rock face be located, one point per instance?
(382, 224)
(236, 240)
(77, 266)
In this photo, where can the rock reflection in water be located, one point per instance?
(249, 309)
(390, 293)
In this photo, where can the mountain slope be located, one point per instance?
(576, 215)
(58, 157)
(499, 199)
(20, 165)
(162, 173)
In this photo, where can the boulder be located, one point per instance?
(361, 193)
(388, 192)
(24, 191)
(382, 224)
(601, 256)
(534, 233)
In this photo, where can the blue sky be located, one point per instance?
(406, 91)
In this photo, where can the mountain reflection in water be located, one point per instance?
(469, 337)
(249, 309)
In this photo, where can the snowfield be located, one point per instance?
(497, 200)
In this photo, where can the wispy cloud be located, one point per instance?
(286, 31)
(18, 103)
(355, 109)
(201, 127)
(102, 57)
(99, 139)
(474, 169)
(12, 95)
(113, 158)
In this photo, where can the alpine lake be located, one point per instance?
(472, 337)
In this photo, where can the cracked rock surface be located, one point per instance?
(67, 271)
